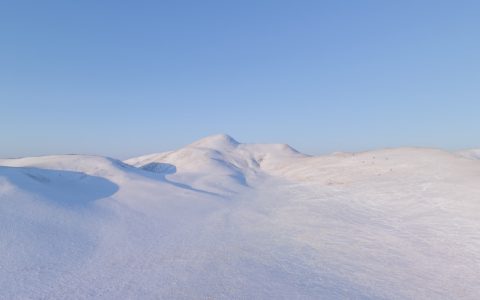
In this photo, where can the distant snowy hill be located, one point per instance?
(219, 219)
(217, 163)
(472, 154)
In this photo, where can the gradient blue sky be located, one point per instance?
(123, 78)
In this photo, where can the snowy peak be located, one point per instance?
(217, 142)
(222, 142)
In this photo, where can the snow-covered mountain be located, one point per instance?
(219, 219)
(218, 163)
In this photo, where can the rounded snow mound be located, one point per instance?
(87, 164)
(56, 186)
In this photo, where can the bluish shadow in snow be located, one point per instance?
(160, 170)
(237, 175)
(66, 188)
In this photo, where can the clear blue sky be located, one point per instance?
(123, 78)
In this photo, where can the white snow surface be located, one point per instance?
(219, 219)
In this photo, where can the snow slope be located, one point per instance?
(219, 219)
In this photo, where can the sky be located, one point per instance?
(125, 78)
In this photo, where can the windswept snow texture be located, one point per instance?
(219, 219)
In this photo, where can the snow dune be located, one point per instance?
(219, 219)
